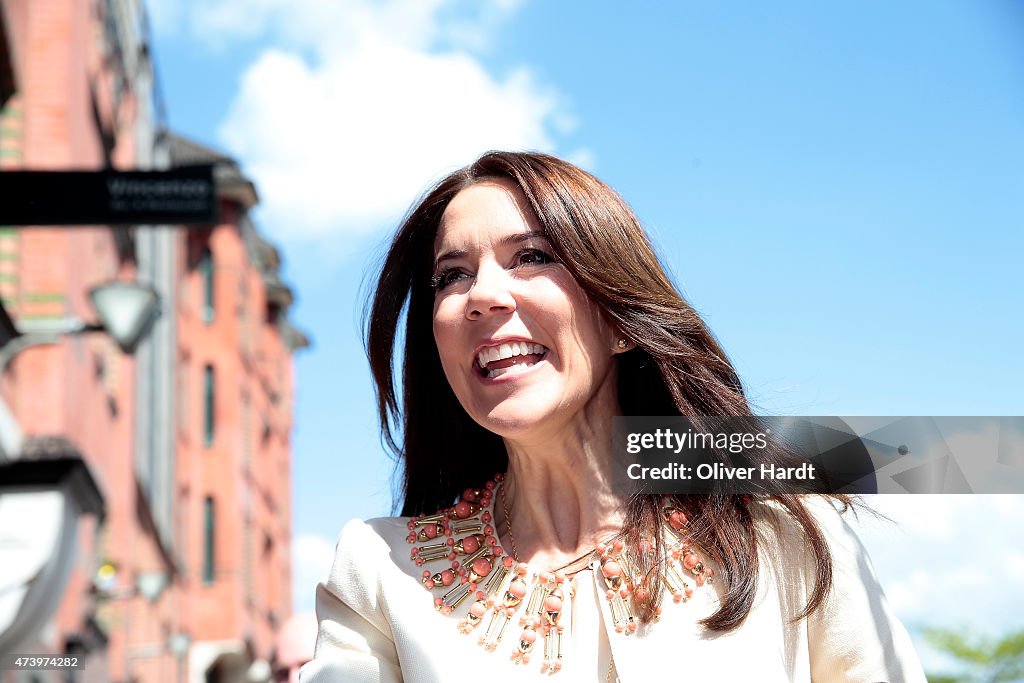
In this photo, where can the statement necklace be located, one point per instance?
(464, 538)
(565, 567)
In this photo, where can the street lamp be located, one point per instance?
(44, 493)
(126, 310)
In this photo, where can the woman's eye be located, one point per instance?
(445, 278)
(526, 257)
(532, 257)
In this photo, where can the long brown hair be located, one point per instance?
(677, 368)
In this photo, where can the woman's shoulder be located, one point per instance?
(364, 540)
(370, 555)
(784, 542)
(361, 539)
(790, 562)
(388, 530)
(775, 521)
(353, 604)
(854, 633)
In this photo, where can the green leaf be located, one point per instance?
(971, 650)
(947, 678)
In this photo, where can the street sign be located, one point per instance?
(177, 196)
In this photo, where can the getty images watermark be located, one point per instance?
(741, 455)
(702, 443)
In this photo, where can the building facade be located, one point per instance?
(186, 576)
(234, 418)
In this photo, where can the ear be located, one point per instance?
(622, 343)
(618, 342)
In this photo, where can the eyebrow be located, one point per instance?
(507, 240)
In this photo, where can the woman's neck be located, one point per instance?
(559, 495)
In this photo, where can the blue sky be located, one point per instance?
(837, 187)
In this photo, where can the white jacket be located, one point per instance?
(378, 623)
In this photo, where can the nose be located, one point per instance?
(491, 293)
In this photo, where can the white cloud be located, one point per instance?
(925, 516)
(353, 107)
(947, 559)
(348, 146)
(907, 596)
(1015, 566)
(312, 557)
(1009, 507)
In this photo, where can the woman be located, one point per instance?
(536, 310)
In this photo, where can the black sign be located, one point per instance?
(183, 195)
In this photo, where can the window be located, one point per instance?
(209, 405)
(206, 275)
(184, 386)
(209, 528)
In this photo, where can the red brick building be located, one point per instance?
(187, 440)
(234, 385)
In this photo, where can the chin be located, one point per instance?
(510, 423)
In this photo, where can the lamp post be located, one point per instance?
(45, 484)
(125, 310)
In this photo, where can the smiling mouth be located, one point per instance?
(509, 358)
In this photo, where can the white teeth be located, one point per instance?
(507, 350)
(510, 370)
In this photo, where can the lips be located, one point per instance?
(510, 357)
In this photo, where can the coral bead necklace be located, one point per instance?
(501, 587)
(572, 563)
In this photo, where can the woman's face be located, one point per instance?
(522, 346)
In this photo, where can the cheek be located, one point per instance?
(440, 320)
(587, 327)
(445, 335)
